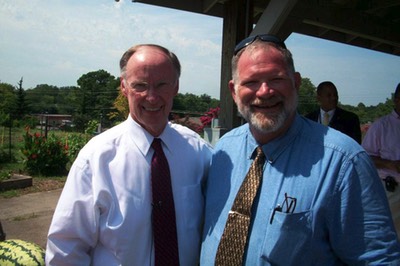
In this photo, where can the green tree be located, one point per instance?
(307, 97)
(208, 101)
(8, 98)
(43, 98)
(22, 107)
(68, 100)
(121, 107)
(192, 103)
(97, 91)
(179, 102)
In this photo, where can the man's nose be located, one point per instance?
(265, 89)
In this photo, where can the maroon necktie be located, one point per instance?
(163, 215)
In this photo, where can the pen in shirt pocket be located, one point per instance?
(288, 206)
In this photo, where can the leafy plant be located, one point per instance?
(5, 175)
(45, 156)
(91, 127)
(74, 142)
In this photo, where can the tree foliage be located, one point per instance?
(97, 93)
(98, 97)
(43, 99)
(369, 114)
(22, 107)
(8, 99)
(307, 97)
(121, 106)
(192, 103)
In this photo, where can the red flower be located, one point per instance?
(209, 116)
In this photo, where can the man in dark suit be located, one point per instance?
(333, 116)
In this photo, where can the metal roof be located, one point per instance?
(371, 24)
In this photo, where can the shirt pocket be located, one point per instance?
(287, 238)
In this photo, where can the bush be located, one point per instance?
(74, 143)
(209, 116)
(45, 156)
(5, 156)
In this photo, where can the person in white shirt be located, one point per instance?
(104, 214)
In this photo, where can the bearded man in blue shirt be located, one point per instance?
(319, 200)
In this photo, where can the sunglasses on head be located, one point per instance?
(264, 37)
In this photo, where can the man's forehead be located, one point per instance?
(328, 89)
(148, 50)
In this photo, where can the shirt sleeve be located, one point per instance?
(360, 226)
(371, 141)
(73, 230)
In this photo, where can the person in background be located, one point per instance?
(382, 143)
(333, 116)
(104, 214)
(316, 198)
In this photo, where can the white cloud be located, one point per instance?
(55, 42)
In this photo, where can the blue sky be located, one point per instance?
(56, 42)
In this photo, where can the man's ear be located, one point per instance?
(176, 88)
(297, 81)
(124, 90)
(231, 86)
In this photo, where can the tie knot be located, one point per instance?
(156, 145)
(259, 152)
(326, 119)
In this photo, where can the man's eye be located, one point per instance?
(162, 85)
(139, 86)
(249, 83)
(277, 79)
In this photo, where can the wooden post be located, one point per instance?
(237, 24)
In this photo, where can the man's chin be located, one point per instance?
(266, 124)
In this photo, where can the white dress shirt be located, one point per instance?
(103, 216)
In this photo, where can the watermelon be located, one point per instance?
(15, 252)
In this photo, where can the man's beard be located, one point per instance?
(267, 123)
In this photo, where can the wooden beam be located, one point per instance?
(273, 17)
(208, 5)
(235, 28)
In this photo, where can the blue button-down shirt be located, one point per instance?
(341, 214)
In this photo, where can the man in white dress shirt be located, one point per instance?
(103, 216)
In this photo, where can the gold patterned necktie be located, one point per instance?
(325, 121)
(231, 247)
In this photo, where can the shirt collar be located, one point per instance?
(330, 112)
(143, 139)
(395, 114)
(167, 137)
(275, 147)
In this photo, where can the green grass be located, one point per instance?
(9, 194)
